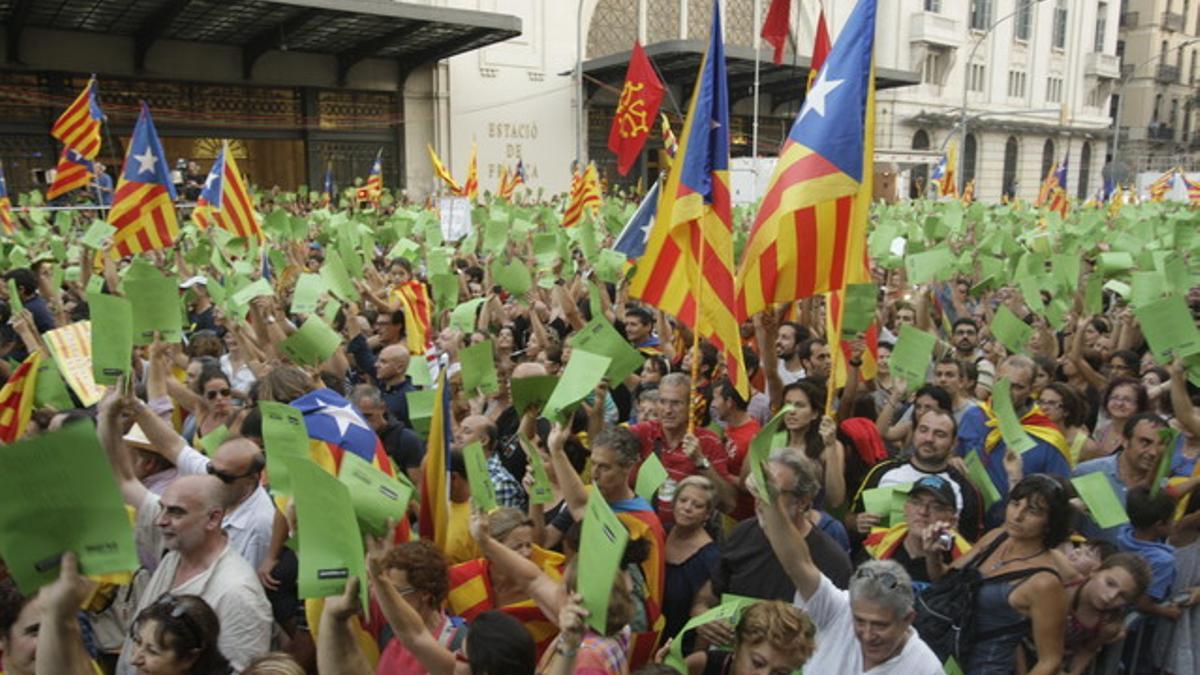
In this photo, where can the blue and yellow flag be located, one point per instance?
(435, 469)
(143, 209)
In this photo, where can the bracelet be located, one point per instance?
(566, 651)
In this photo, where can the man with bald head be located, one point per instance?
(481, 429)
(391, 374)
(250, 514)
(186, 522)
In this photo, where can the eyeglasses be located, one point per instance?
(1049, 404)
(213, 393)
(404, 590)
(1122, 399)
(886, 579)
(673, 402)
(229, 478)
(930, 505)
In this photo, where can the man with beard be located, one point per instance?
(964, 346)
(931, 455)
(787, 346)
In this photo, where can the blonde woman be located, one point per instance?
(692, 555)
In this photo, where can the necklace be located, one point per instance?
(1001, 563)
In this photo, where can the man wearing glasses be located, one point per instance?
(868, 627)
(930, 500)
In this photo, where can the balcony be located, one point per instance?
(1127, 70)
(934, 29)
(1160, 133)
(1167, 74)
(1129, 20)
(1106, 66)
(1172, 21)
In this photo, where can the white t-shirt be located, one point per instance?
(907, 473)
(789, 376)
(838, 650)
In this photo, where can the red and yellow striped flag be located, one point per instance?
(225, 201)
(470, 188)
(687, 269)
(434, 515)
(413, 299)
(16, 399)
(442, 172)
(73, 171)
(6, 216)
(79, 126)
(585, 196)
(143, 209)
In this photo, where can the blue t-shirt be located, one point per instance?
(1160, 556)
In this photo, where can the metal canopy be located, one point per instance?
(350, 30)
(678, 62)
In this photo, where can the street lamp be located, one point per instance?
(962, 144)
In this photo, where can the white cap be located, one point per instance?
(137, 438)
(192, 281)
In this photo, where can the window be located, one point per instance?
(1024, 20)
(1120, 49)
(1192, 76)
(1085, 170)
(1009, 182)
(933, 5)
(920, 173)
(1157, 107)
(981, 14)
(1174, 113)
(975, 77)
(969, 159)
(1097, 95)
(1016, 84)
(1054, 89)
(1047, 157)
(1101, 27)
(932, 69)
(1059, 37)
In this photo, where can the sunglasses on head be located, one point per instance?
(227, 478)
(178, 612)
(887, 579)
(213, 393)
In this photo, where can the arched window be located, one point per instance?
(1008, 186)
(1047, 159)
(919, 185)
(969, 160)
(1085, 170)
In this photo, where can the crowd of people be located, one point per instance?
(879, 505)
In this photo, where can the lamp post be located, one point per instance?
(962, 132)
(579, 127)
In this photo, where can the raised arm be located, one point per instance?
(790, 548)
(549, 595)
(60, 649)
(109, 430)
(573, 491)
(338, 652)
(162, 437)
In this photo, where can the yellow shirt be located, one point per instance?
(460, 545)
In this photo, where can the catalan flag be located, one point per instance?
(670, 143)
(1162, 185)
(442, 172)
(72, 172)
(16, 399)
(373, 190)
(1053, 194)
(1193, 189)
(810, 229)
(518, 177)
(505, 190)
(413, 298)
(968, 194)
(944, 178)
(6, 217)
(434, 516)
(472, 593)
(470, 188)
(688, 268)
(143, 209)
(585, 196)
(224, 200)
(335, 427)
(78, 128)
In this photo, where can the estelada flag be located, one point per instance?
(636, 111)
(16, 399)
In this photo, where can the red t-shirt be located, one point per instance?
(737, 445)
(676, 461)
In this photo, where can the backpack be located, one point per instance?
(946, 610)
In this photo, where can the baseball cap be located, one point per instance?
(937, 486)
(192, 281)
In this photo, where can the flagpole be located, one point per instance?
(694, 281)
(754, 124)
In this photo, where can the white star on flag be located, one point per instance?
(146, 161)
(345, 417)
(816, 96)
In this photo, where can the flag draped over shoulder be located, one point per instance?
(6, 217)
(224, 200)
(336, 427)
(434, 517)
(812, 222)
(78, 128)
(636, 110)
(143, 209)
(442, 172)
(413, 298)
(16, 398)
(72, 172)
(687, 269)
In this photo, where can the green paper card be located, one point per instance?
(247, 293)
(878, 501)
(479, 368)
(437, 261)
(599, 337)
(896, 502)
(209, 443)
(463, 318)
(584, 371)
(14, 297)
(418, 370)
(951, 666)
(483, 493)
(1010, 331)
(936, 263)
(1114, 262)
(513, 277)
(858, 308)
(420, 409)
(312, 344)
(112, 337)
(601, 546)
(337, 278)
(50, 390)
(911, 356)
(309, 288)
(1169, 330)
(610, 266)
(375, 496)
(728, 611)
(96, 233)
(445, 290)
(650, 476)
(158, 309)
(540, 492)
(545, 249)
(532, 391)
(982, 480)
(1097, 492)
(59, 496)
(405, 248)
(332, 549)
(1169, 436)
(1014, 434)
(1093, 294)
(1119, 287)
(760, 451)
(284, 436)
(495, 237)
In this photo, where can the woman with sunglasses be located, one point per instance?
(1022, 593)
(209, 399)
